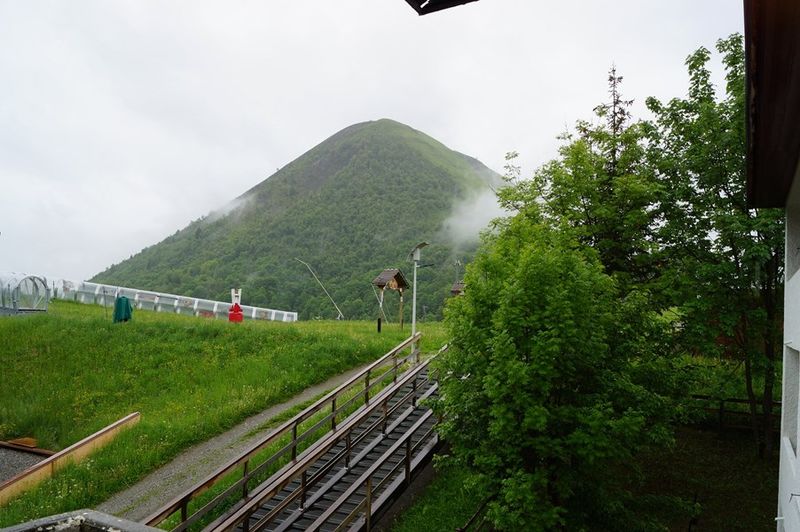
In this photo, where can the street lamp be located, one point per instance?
(415, 256)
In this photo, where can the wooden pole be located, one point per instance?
(380, 309)
(401, 309)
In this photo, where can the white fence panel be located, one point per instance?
(104, 294)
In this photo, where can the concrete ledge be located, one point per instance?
(79, 521)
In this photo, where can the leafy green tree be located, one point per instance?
(550, 387)
(722, 261)
(601, 187)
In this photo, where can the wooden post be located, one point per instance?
(369, 503)
(246, 480)
(347, 456)
(401, 309)
(303, 484)
(380, 309)
(246, 522)
(408, 461)
(294, 442)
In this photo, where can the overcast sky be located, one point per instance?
(122, 121)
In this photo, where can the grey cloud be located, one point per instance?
(171, 109)
(472, 216)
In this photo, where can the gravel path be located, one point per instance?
(191, 466)
(13, 462)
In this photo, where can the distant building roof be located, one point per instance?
(423, 7)
(392, 279)
(458, 288)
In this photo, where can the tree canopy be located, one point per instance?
(722, 262)
(552, 381)
(634, 245)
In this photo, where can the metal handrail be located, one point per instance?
(181, 503)
(298, 471)
(408, 464)
(365, 480)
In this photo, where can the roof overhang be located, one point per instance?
(772, 52)
(423, 7)
(392, 279)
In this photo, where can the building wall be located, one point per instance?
(789, 486)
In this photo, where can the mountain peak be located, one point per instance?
(350, 206)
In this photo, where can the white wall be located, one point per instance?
(789, 484)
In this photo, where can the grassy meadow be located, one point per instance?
(70, 372)
(446, 504)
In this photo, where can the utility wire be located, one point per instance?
(341, 316)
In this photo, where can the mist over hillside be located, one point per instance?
(351, 206)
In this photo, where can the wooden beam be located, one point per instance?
(74, 453)
(772, 54)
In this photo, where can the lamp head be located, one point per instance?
(415, 253)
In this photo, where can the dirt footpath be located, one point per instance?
(191, 466)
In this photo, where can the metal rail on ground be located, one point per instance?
(363, 383)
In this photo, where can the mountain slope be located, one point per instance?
(351, 206)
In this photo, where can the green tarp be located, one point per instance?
(123, 311)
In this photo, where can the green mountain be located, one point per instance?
(350, 207)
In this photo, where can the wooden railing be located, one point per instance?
(350, 434)
(376, 494)
(722, 410)
(362, 383)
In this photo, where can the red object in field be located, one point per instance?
(235, 313)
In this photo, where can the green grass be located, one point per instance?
(70, 372)
(733, 488)
(271, 450)
(446, 504)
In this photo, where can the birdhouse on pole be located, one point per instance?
(458, 288)
(393, 279)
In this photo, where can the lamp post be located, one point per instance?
(415, 256)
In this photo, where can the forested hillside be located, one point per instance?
(353, 205)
